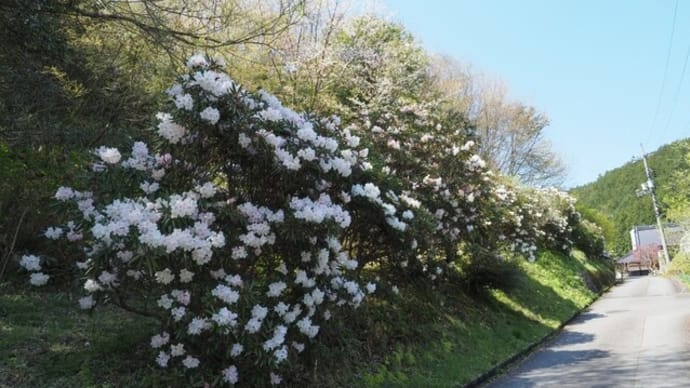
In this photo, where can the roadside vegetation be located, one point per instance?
(428, 338)
(269, 193)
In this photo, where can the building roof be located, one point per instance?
(642, 235)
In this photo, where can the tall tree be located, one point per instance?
(511, 133)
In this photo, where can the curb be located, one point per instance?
(493, 372)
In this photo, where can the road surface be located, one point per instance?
(636, 335)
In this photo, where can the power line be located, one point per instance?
(668, 57)
(680, 84)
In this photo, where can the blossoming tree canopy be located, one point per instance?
(250, 224)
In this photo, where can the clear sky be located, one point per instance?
(595, 67)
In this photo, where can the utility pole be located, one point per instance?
(648, 188)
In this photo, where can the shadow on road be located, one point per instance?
(665, 367)
(572, 338)
(584, 317)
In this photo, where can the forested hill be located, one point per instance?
(613, 194)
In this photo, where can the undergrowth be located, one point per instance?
(420, 337)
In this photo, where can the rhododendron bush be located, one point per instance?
(247, 226)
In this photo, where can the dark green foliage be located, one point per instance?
(484, 271)
(67, 85)
(613, 194)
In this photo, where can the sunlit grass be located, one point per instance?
(550, 292)
(423, 337)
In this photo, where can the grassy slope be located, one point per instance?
(550, 291)
(46, 342)
(433, 339)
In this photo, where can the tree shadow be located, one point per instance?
(587, 316)
(572, 338)
(530, 295)
(661, 367)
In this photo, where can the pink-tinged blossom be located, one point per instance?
(182, 296)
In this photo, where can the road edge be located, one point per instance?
(525, 352)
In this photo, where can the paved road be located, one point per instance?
(637, 335)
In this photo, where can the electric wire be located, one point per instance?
(663, 82)
(678, 88)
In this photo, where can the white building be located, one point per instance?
(649, 235)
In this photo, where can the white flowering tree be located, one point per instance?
(230, 230)
(248, 226)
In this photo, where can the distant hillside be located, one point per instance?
(613, 194)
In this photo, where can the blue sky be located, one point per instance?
(594, 67)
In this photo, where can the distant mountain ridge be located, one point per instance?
(613, 194)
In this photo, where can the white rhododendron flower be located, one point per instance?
(210, 114)
(53, 233)
(190, 362)
(87, 302)
(165, 276)
(38, 279)
(170, 130)
(30, 262)
(230, 375)
(109, 155)
(177, 350)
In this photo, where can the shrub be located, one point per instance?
(246, 226)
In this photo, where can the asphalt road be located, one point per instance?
(636, 335)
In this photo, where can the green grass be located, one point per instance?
(548, 292)
(431, 337)
(45, 341)
(680, 268)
